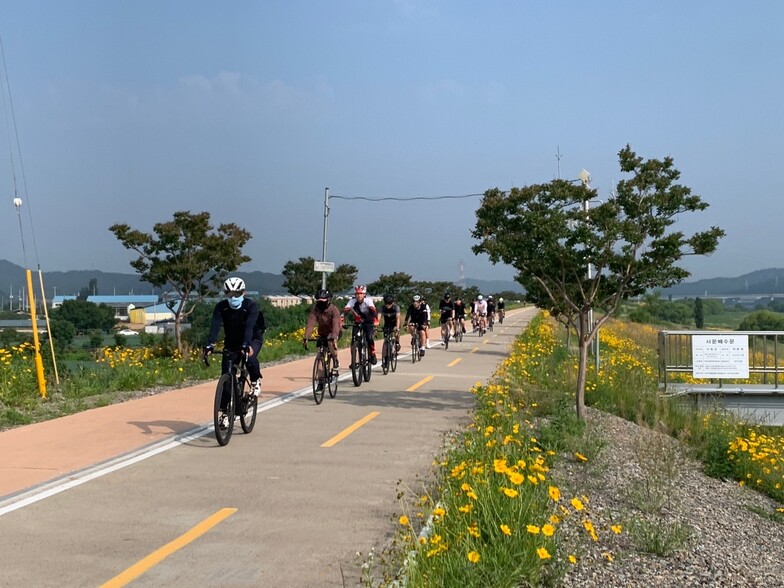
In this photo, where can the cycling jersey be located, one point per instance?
(447, 308)
(390, 314)
(365, 312)
(416, 315)
(480, 307)
(460, 310)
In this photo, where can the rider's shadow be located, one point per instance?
(163, 427)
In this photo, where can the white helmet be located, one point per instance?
(479, 297)
(234, 284)
(500, 300)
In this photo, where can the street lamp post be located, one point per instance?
(585, 178)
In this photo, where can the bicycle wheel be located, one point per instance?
(386, 356)
(393, 358)
(356, 367)
(332, 377)
(223, 430)
(446, 339)
(319, 378)
(366, 366)
(414, 347)
(251, 406)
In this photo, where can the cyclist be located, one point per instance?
(447, 309)
(390, 311)
(501, 310)
(325, 318)
(366, 314)
(480, 311)
(460, 312)
(490, 310)
(416, 319)
(243, 330)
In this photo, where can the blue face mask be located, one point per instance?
(235, 303)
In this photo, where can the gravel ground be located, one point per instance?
(728, 544)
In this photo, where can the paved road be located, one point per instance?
(166, 506)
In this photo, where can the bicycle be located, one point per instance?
(236, 384)
(459, 326)
(325, 376)
(360, 355)
(389, 352)
(482, 329)
(446, 329)
(501, 315)
(416, 343)
(490, 322)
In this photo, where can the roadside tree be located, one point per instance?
(301, 279)
(85, 316)
(549, 235)
(187, 255)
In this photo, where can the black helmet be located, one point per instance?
(447, 296)
(388, 299)
(323, 295)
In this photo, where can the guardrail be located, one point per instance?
(761, 351)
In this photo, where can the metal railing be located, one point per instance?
(765, 364)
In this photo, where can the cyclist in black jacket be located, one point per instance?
(416, 318)
(243, 329)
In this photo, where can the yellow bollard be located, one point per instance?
(39, 364)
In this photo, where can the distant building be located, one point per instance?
(286, 301)
(122, 305)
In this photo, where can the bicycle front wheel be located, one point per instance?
(386, 356)
(356, 367)
(332, 377)
(414, 347)
(366, 367)
(223, 419)
(393, 357)
(319, 379)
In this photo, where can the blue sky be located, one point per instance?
(127, 111)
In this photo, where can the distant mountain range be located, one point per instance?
(71, 282)
(759, 282)
(766, 281)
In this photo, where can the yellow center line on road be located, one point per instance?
(455, 362)
(421, 382)
(474, 350)
(347, 431)
(158, 556)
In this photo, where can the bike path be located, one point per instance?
(45, 452)
(302, 511)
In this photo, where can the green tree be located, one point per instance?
(187, 255)
(85, 316)
(699, 313)
(301, 279)
(762, 320)
(547, 233)
(398, 284)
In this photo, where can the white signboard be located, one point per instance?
(723, 355)
(324, 266)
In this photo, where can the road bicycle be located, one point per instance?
(446, 329)
(501, 315)
(234, 388)
(459, 326)
(481, 326)
(325, 375)
(416, 343)
(389, 352)
(360, 355)
(490, 321)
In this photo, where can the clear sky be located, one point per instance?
(127, 111)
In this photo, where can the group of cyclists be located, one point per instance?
(244, 325)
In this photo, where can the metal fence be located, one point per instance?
(765, 364)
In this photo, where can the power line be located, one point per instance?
(401, 199)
